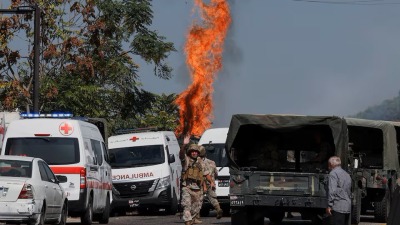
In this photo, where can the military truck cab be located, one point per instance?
(374, 160)
(277, 165)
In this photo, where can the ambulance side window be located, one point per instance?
(97, 151)
(105, 153)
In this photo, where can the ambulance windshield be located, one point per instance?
(216, 152)
(53, 150)
(137, 156)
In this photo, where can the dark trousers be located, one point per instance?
(340, 218)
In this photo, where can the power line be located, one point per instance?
(349, 2)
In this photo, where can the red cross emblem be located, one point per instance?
(134, 139)
(66, 129)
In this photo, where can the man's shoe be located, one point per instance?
(289, 215)
(197, 221)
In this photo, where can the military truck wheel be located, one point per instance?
(316, 219)
(382, 209)
(243, 217)
(239, 217)
(356, 207)
(276, 217)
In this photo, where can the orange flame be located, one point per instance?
(203, 50)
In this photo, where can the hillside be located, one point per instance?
(387, 110)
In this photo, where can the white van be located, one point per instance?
(214, 142)
(146, 171)
(72, 148)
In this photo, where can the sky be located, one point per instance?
(291, 57)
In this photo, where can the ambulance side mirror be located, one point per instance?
(171, 158)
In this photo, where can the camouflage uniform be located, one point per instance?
(211, 169)
(210, 194)
(192, 191)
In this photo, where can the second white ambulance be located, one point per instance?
(214, 142)
(146, 171)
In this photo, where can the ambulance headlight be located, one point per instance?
(163, 182)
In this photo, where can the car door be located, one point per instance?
(58, 193)
(48, 189)
(98, 201)
(106, 174)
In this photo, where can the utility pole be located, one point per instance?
(36, 46)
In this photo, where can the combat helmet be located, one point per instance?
(193, 147)
(202, 151)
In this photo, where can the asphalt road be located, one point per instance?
(160, 219)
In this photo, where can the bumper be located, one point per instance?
(158, 199)
(78, 206)
(20, 211)
(277, 201)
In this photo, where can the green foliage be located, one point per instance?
(87, 60)
(163, 114)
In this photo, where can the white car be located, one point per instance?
(30, 192)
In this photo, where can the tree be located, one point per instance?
(87, 64)
(163, 114)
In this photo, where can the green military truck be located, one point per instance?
(273, 166)
(374, 162)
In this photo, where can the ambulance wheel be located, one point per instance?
(105, 217)
(204, 211)
(226, 210)
(173, 208)
(87, 216)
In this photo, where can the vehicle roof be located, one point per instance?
(15, 157)
(214, 135)
(28, 127)
(390, 151)
(138, 139)
(285, 121)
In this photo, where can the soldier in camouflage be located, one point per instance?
(213, 171)
(193, 186)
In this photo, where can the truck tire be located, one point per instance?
(356, 207)
(243, 217)
(382, 209)
(277, 217)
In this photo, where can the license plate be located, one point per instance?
(223, 183)
(133, 203)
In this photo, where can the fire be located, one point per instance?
(203, 48)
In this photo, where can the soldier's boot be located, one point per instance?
(219, 212)
(197, 221)
(188, 222)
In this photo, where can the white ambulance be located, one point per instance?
(146, 171)
(5, 119)
(214, 142)
(73, 148)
